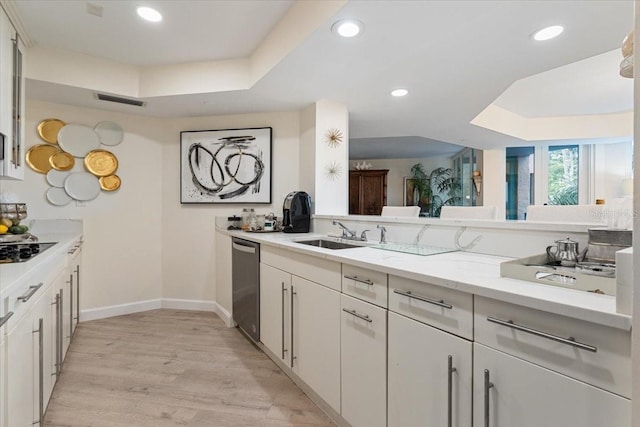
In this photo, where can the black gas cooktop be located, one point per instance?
(21, 252)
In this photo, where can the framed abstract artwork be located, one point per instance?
(226, 166)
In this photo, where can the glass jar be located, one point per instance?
(248, 216)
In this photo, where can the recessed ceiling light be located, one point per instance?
(548, 33)
(347, 27)
(149, 14)
(399, 92)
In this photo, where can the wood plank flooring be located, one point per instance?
(171, 367)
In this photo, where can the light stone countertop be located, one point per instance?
(12, 275)
(465, 271)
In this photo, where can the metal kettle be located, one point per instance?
(565, 253)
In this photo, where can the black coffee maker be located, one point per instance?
(296, 212)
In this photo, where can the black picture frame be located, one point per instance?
(226, 166)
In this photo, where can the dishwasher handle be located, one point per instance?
(243, 248)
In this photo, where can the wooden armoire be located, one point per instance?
(367, 191)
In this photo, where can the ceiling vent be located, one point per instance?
(119, 100)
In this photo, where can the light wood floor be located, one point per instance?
(169, 367)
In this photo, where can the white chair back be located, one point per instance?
(566, 213)
(468, 212)
(406, 211)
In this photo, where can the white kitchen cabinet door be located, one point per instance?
(20, 373)
(275, 309)
(12, 164)
(6, 76)
(76, 267)
(43, 310)
(419, 391)
(364, 362)
(3, 382)
(315, 347)
(67, 310)
(526, 395)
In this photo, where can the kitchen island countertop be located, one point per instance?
(465, 271)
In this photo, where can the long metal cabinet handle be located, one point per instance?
(358, 315)
(40, 333)
(409, 294)
(60, 331)
(32, 290)
(569, 341)
(70, 306)
(450, 371)
(284, 301)
(78, 293)
(488, 385)
(4, 319)
(357, 279)
(242, 248)
(56, 302)
(293, 357)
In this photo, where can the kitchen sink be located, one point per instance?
(328, 244)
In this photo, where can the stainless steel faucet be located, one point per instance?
(383, 233)
(346, 232)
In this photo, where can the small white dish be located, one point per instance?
(82, 186)
(56, 178)
(58, 197)
(78, 140)
(109, 133)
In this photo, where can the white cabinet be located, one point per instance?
(275, 311)
(363, 363)
(6, 76)
(423, 390)
(512, 392)
(365, 284)
(315, 348)
(12, 105)
(76, 266)
(3, 381)
(300, 323)
(29, 373)
(20, 373)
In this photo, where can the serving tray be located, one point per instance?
(534, 269)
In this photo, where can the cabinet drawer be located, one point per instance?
(22, 297)
(596, 354)
(365, 284)
(443, 308)
(317, 270)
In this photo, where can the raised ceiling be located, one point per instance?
(455, 57)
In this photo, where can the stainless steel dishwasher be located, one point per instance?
(245, 277)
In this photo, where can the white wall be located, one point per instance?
(494, 180)
(332, 191)
(140, 243)
(399, 169)
(188, 257)
(122, 230)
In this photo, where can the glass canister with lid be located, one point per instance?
(248, 217)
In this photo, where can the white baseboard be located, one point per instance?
(119, 310)
(225, 316)
(188, 304)
(173, 303)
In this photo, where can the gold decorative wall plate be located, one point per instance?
(62, 161)
(110, 183)
(101, 162)
(48, 130)
(38, 157)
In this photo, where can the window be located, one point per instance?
(562, 175)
